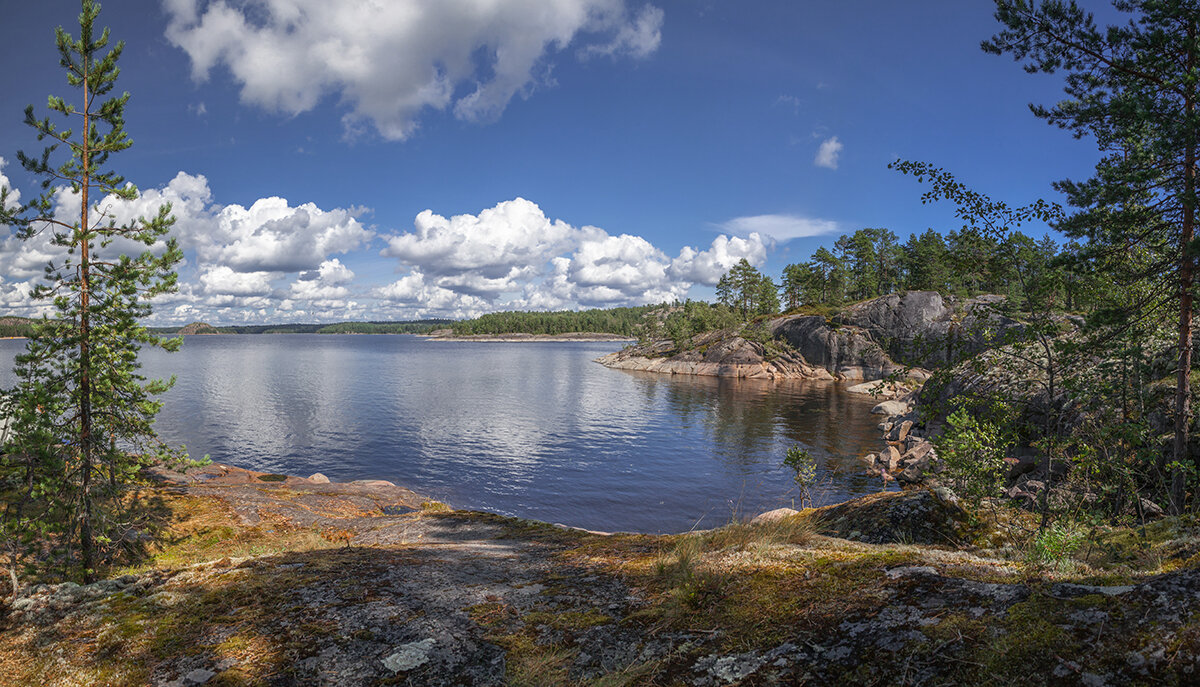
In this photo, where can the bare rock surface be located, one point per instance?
(254, 496)
(716, 354)
(868, 341)
(457, 598)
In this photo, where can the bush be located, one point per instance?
(801, 462)
(1055, 545)
(972, 450)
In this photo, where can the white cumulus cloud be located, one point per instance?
(324, 285)
(828, 152)
(708, 266)
(422, 299)
(388, 61)
(13, 199)
(514, 232)
(221, 280)
(512, 256)
(272, 236)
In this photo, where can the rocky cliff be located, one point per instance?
(924, 329)
(868, 340)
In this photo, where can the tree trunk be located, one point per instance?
(1183, 389)
(1183, 386)
(12, 573)
(86, 541)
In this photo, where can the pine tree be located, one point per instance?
(924, 262)
(1134, 88)
(82, 411)
(830, 274)
(766, 301)
(794, 279)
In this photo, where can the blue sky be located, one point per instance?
(423, 158)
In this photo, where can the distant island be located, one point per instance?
(198, 328)
(612, 324)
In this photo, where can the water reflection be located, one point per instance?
(537, 430)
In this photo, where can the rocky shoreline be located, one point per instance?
(714, 355)
(290, 580)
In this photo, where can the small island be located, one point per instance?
(197, 328)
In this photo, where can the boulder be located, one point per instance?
(1020, 466)
(318, 478)
(923, 451)
(774, 516)
(912, 475)
(918, 516)
(900, 431)
(918, 464)
(890, 459)
(373, 483)
(878, 388)
(1150, 509)
(890, 408)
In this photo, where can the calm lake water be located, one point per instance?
(536, 430)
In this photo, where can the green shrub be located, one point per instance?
(801, 462)
(1055, 545)
(972, 450)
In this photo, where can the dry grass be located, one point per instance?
(195, 529)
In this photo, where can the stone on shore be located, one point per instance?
(878, 387)
(373, 483)
(318, 478)
(900, 431)
(890, 459)
(890, 408)
(774, 516)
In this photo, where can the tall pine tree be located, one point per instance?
(82, 412)
(1134, 88)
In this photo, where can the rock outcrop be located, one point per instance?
(919, 516)
(716, 354)
(924, 329)
(868, 341)
(844, 352)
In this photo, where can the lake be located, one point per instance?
(536, 430)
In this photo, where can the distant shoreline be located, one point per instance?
(532, 338)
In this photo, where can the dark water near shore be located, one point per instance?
(536, 430)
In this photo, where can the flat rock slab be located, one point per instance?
(295, 500)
